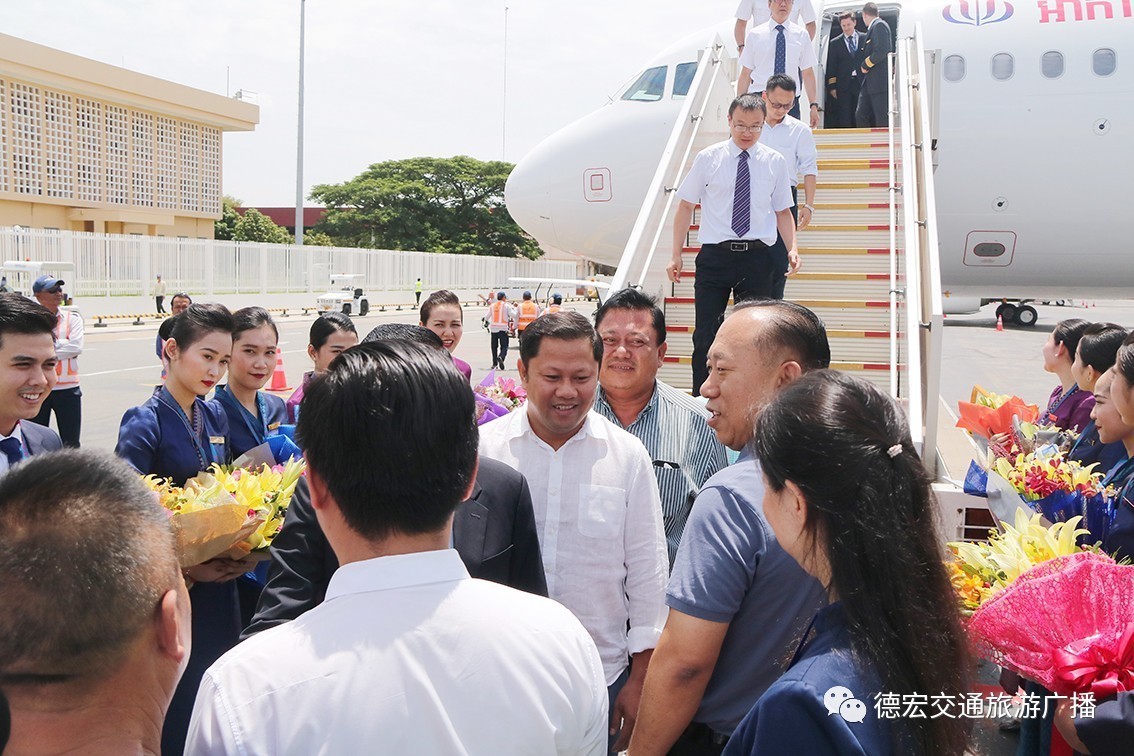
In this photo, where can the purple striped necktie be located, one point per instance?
(741, 202)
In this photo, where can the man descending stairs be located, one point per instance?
(845, 252)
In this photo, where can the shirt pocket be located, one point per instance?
(602, 510)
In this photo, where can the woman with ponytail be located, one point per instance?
(849, 499)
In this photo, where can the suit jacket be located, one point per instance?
(493, 531)
(878, 45)
(841, 66)
(1111, 730)
(39, 438)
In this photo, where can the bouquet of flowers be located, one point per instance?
(990, 414)
(496, 397)
(1050, 483)
(227, 511)
(1064, 623)
(980, 570)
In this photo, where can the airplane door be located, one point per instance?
(823, 35)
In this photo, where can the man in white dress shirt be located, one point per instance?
(779, 46)
(745, 195)
(407, 654)
(597, 509)
(802, 14)
(791, 138)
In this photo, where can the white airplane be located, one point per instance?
(1035, 124)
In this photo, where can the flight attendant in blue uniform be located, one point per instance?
(176, 434)
(253, 416)
(848, 498)
(1114, 416)
(1096, 353)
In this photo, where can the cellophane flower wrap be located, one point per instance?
(981, 570)
(228, 512)
(989, 414)
(1057, 487)
(1065, 623)
(496, 397)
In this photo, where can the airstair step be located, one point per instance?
(680, 375)
(842, 237)
(854, 170)
(860, 346)
(831, 191)
(849, 136)
(863, 150)
(815, 284)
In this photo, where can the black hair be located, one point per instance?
(1124, 360)
(86, 556)
(1099, 345)
(404, 332)
(391, 430)
(181, 295)
(326, 324)
(563, 325)
(845, 15)
(250, 318)
(634, 299)
(780, 81)
(793, 328)
(871, 512)
(24, 316)
(438, 299)
(1068, 332)
(748, 102)
(198, 321)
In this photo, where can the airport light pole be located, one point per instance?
(299, 141)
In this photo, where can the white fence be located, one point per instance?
(117, 265)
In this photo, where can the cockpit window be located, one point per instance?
(649, 86)
(682, 79)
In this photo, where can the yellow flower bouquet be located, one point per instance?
(228, 512)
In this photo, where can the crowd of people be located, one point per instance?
(587, 574)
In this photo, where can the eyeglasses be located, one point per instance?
(748, 129)
(779, 106)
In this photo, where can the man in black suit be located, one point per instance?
(879, 43)
(27, 376)
(844, 58)
(493, 531)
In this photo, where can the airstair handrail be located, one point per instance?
(637, 256)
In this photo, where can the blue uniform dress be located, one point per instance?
(1119, 542)
(156, 438)
(1089, 449)
(792, 716)
(245, 430)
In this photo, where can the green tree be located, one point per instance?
(254, 226)
(317, 239)
(433, 204)
(224, 228)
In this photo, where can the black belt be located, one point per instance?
(739, 245)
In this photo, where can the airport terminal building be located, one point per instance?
(86, 146)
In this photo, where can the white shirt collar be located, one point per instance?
(16, 434)
(401, 571)
(592, 427)
(773, 23)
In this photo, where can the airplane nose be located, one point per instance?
(527, 195)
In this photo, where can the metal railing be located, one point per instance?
(917, 275)
(696, 119)
(118, 265)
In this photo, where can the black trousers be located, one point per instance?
(699, 740)
(723, 271)
(68, 407)
(871, 110)
(160, 299)
(499, 347)
(780, 253)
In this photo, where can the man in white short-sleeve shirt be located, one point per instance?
(745, 195)
(407, 654)
(791, 138)
(802, 14)
(597, 508)
(779, 46)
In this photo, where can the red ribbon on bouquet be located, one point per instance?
(1102, 669)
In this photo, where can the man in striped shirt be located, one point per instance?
(669, 423)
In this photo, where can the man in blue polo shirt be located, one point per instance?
(738, 603)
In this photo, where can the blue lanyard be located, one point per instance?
(257, 427)
(1090, 430)
(193, 427)
(1122, 471)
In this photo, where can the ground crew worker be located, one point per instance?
(66, 399)
(529, 311)
(556, 304)
(417, 291)
(501, 320)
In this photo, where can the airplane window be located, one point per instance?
(648, 87)
(954, 68)
(1002, 66)
(682, 79)
(1051, 64)
(1104, 62)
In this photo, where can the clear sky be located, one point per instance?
(385, 79)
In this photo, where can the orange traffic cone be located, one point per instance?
(279, 378)
(1000, 322)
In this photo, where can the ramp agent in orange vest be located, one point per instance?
(555, 306)
(66, 399)
(500, 320)
(529, 311)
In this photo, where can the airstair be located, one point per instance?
(869, 257)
